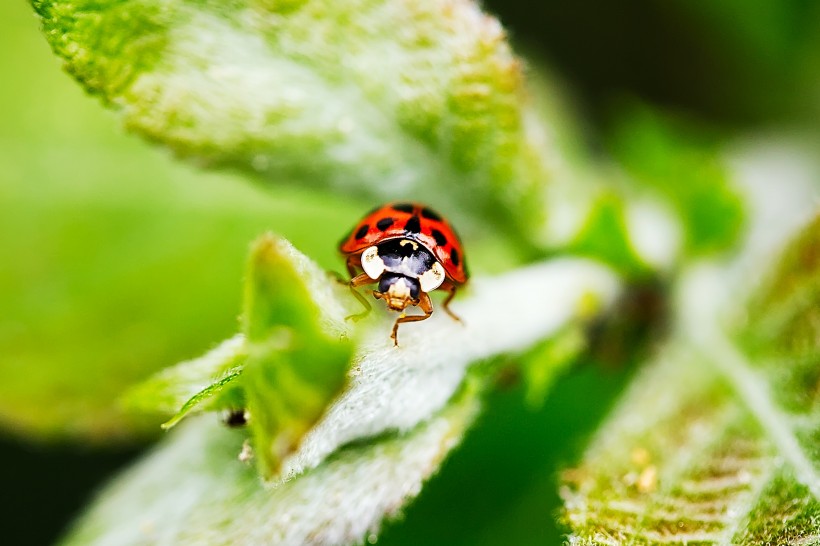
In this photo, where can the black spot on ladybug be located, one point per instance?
(362, 231)
(413, 225)
(454, 257)
(403, 207)
(441, 240)
(384, 223)
(430, 214)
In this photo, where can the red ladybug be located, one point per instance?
(410, 250)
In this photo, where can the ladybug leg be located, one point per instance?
(359, 280)
(451, 289)
(351, 268)
(351, 271)
(424, 304)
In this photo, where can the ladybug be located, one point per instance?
(409, 250)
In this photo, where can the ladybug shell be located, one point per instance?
(410, 221)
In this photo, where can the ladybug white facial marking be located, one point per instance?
(372, 264)
(432, 278)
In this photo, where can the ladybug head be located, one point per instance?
(406, 258)
(398, 291)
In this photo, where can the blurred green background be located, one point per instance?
(115, 256)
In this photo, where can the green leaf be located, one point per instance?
(225, 389)
(193, 489)
(686, 464)
(323, 94)
(716, 442)
(286, 367)
(179, 389)
(295, 368)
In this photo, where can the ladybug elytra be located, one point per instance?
(409, 250)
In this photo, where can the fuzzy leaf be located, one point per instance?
(398, 387)
(421, 99)
(285, 368)
(295, 367)
(688, 465)
(712, 445)
(181, 388)
(224, 390)
(402, 410)
(193, 490)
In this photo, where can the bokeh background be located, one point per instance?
(113, 256)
